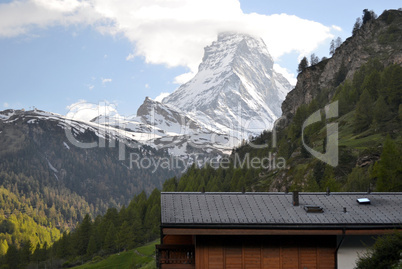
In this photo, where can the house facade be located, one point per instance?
(272, 230)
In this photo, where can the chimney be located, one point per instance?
(295, 199)
(203, 190)
(328, 191)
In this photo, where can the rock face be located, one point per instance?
(181, 135)
(378, 38)
(166, 118)
(235, 90)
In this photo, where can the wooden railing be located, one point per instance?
(175, 256)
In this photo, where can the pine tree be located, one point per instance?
(363, 113)
(332, 47)
(338, 42)
(329, 180)
(26, 252)
(368, 15)
(385, 253)
(372, 84)
(92, 249)
(234, 184)
(110, 239)
(170, 184)
(302, 65)
(63, 249)
(388, 170)
(357, 25)
(124, 236)
(345, 98)
(357, 180)
(314, 59)
(37, 255)
(394, 89)
(83, 235)
(311, 184)
(12, 257)
(381, 111)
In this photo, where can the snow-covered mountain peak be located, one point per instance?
(235, 85)
(221, 54)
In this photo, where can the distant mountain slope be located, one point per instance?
(39, 160)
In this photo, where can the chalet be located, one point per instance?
(272, 230)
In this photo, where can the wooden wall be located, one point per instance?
(265, 252)
(178, 240)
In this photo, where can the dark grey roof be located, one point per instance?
(267, 209)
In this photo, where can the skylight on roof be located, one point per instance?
(313, 209)
(364, 201)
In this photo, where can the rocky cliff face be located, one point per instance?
(166, 118)
(380, 38)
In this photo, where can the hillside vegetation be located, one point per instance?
(370, 145)
(114, 232)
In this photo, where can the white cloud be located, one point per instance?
(175, 32)
(336, 28)
(147, 86)
(291, 77)
(106, 80)
(170, 32)
(183, 78)
(130, 57)
(84, 111)
(91, 87)
(20, 16)
(160, 97)
(6, 105)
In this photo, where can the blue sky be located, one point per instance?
(55, 53)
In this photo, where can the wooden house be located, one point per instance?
(272, 230)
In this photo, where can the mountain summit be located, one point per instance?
(236, 90)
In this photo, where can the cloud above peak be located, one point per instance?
(169, 32)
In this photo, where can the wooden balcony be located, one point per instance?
(175, 256)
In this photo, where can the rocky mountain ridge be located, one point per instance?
(378, 38)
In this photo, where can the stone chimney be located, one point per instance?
(295, 198)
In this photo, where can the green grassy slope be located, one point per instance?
(141, 257)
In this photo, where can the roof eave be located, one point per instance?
(355, 226)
